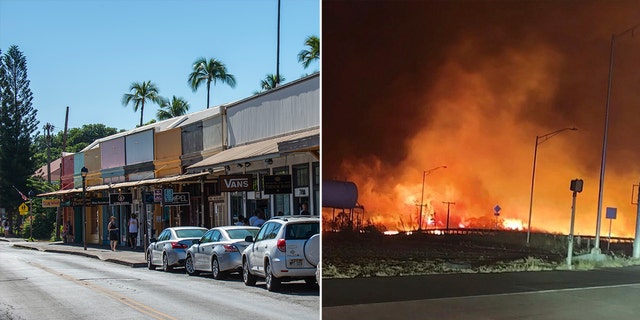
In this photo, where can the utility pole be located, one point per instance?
(64, 148)
(48, 127)
(448, 205)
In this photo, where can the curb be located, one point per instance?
(89, 255)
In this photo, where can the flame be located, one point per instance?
(475, 123)
(513, 224)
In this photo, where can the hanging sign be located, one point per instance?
(179, 199)
(50, 203)
(236, 182)
(116, 199)
(277, 184)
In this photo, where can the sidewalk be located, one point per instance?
(124, 255)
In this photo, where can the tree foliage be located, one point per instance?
(172, 108)
(271, 81)
(209, 71)
(139, 94)
(311, 53)
(77, 139)
(18, 125)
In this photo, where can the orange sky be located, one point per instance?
(478, 111)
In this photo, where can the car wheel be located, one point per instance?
(165, 263)
(150, 265)
(273, 283)
(215, 269)
(189, 266)
(247, 277)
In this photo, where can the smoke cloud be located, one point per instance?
(411, 86)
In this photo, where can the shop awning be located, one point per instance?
(253, 151)
(181, 177)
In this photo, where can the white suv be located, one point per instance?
(286, 248)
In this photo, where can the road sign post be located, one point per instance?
(576, 186)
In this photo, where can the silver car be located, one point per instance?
(286, 248)
(219, 251)
(170, 249)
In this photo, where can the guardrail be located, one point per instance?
(469, 231)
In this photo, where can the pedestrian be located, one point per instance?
(6, 226)
(68, 232)
(304, 210)
(240, 221)
(113, 233)
(260, 220)
(133, 231)
(254, 217)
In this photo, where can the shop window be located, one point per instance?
(281, 202)
(301, 180)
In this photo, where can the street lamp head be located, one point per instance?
(84, 171)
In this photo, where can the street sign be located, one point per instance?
(611, 212)
(24, 209)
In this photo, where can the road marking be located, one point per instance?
(539, 291)
(112, 294)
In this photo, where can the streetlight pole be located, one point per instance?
(84, 171)
(539, 140)
(424, 175)
(603, 161)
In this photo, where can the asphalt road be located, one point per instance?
(44, 285)
(599, 294)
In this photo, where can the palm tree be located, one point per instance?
(271, 81)
(209, 71)
(139, 94)
(172, 108)
(312, 53)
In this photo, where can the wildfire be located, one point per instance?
(476, 128)
(513, 224)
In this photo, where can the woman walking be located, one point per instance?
(113, 233)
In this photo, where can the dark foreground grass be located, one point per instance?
(348, 255)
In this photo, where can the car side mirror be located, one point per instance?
(248, 239)
(196, 241)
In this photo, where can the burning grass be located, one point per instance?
(350, 255)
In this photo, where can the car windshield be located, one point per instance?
(190, 233)
(242, 233)
(299, 231)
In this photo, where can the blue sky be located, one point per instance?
(86, 54)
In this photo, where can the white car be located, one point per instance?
(219, 251)
(170, 249)
(287, 248)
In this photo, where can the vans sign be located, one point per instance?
(237, 182)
